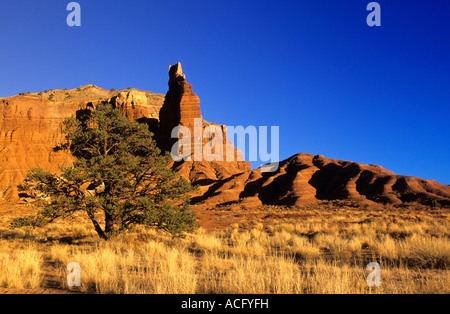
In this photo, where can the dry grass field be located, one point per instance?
(322, 248)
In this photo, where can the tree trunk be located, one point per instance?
(97, 227)
(109, 224)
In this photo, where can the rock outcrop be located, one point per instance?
(182, 108)
(137, 105)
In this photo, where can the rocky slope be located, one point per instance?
(306, 178)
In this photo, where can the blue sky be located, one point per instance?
(335, 86)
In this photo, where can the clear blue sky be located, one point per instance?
(334, 85)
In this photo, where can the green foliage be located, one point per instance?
(436, 204)
(119, 175)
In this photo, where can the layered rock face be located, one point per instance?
(30, 127)
(137, 104)
(182, 108)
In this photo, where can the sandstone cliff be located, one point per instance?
(30, 127)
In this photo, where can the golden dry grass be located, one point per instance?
(325, 252)
(20, 266)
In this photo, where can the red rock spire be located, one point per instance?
(181, 107)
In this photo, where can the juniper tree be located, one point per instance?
(119, 179)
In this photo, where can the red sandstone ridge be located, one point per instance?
(306, 178)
